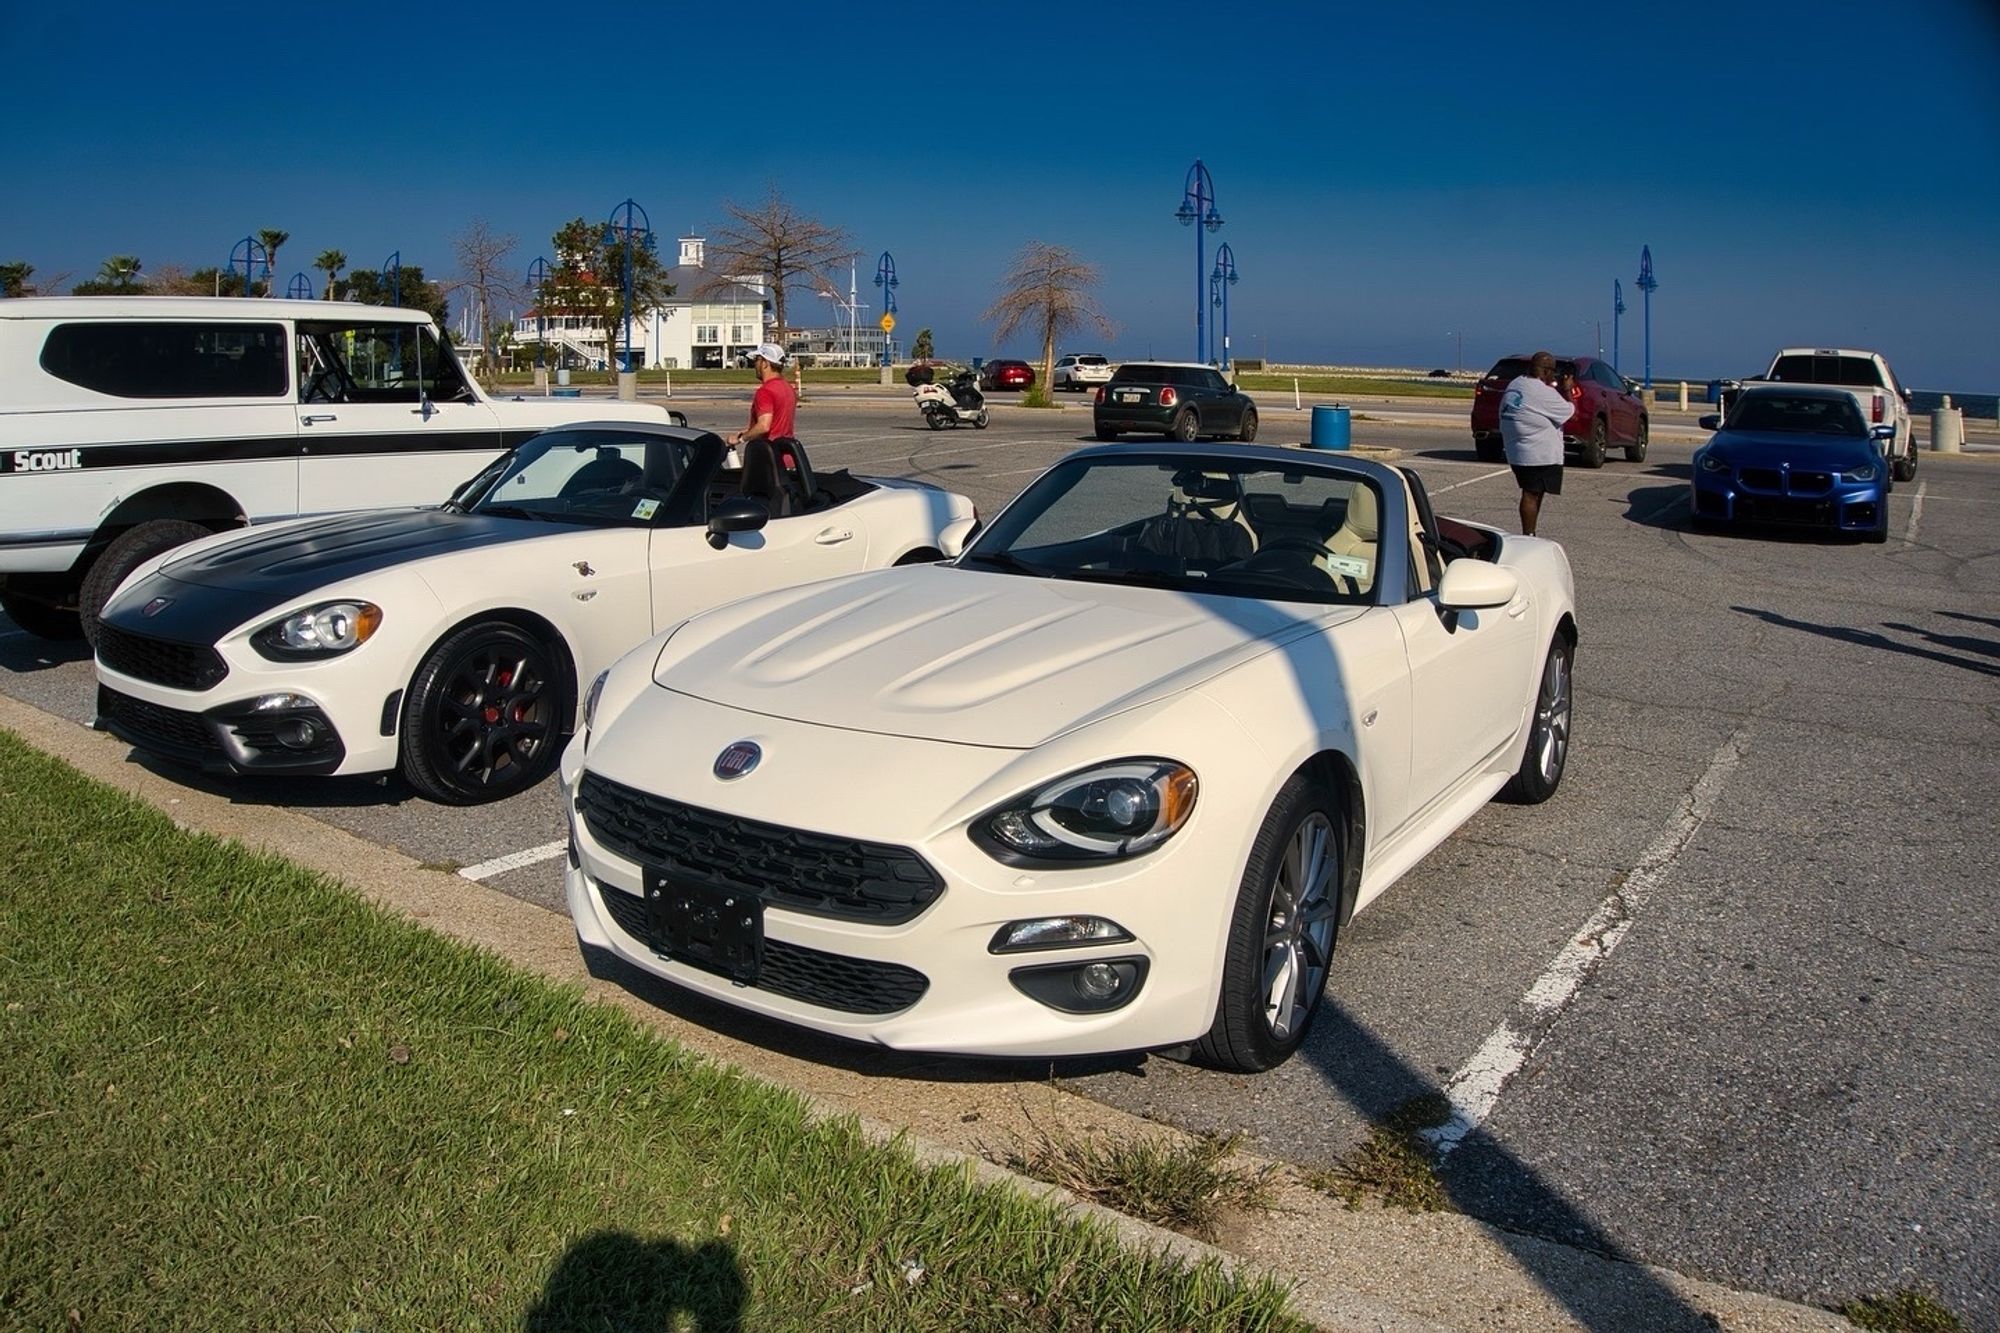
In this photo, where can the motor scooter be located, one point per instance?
(953, 404)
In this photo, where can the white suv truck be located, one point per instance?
(129, 425)
(1884, 400)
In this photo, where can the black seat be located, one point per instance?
(608, 471)
(761, 480)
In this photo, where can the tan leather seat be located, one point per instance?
(1350, 551)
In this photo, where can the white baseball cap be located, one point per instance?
(769, 352)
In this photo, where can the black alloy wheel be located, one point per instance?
(1635, 452)
(485, 716)
(1281, 934)
(1547, 751)
(1592, 452)
(1248, 431)
(1184, 427)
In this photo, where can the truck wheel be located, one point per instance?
(1635, 452)
(1905, 468)
(484, 717)
(129, 550)
(44, 620)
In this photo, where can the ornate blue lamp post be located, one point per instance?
(538, 282)
(636, 229)
(1198, 206)
(885, 278)
(1222, 279)
(301, 288)
(1646, 285)
(392, 277)
(250, 256)
(1617, 309)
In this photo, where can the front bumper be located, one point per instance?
(298, 739)
(1858, 507)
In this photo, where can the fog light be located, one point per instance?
(1096, 987)
(298, 734)
(1056, 932)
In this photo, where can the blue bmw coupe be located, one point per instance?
(1796, 456)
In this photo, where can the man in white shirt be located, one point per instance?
(1532, 412)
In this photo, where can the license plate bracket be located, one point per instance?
(717, 930)
(1131, 395)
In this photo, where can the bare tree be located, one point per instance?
(484, 274)
(776, 242)
(1047, 291)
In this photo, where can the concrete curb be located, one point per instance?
(1367, 1269)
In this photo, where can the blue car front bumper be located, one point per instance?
(1791, 499)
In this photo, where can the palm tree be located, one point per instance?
(271, 238)
(330, 262)
(119, 272)
(1048, 292)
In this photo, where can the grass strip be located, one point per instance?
(1902, 1311)
(1184, 1183)
(235, 1096)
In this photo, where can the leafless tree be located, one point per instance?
(1047, 291)
(484, 274)
(774, 241)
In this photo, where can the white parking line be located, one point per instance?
(548, 851)
(1916, 512)
(1484, 476)
(1475, 1088)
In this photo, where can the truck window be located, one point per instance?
(376, 363)
(156, 359)
(1855, 371)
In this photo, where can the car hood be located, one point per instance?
(1822, 453)
(220, 585)
(942, 653)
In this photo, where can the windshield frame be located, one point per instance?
(680, 505)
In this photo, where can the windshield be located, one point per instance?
(1214, 526)
(1799, 414)
(600, 476)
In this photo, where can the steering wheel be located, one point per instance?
(1279, 563)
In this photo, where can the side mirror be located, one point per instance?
(957, 535)
(1470, 585)
(1710, 422)
(1881, 432)
(739, 513)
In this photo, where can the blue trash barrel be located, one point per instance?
(568, 393)
(1331, 428)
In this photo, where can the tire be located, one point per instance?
(1547, 751)
(1877, 537)
(1635, 452)
(484, 716)
(1905, 468)
(936, 419)
(979, 422)
(1281, 933)
(130, 549)
(1106, 433)
(1489, 448)
(1248, 430)
(1590, 452)
(44, 620)
(1184, 427)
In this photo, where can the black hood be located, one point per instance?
(211, 592)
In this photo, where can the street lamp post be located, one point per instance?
(1617, 309)
(1222, 279)
(392, 277)
(301, 288)
(1646, 284)
(636, 229)
(1198, 206)
(885, 278)
(538, 283)
(1458, 354)
(249, 254)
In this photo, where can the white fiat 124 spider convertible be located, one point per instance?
(1112, 779)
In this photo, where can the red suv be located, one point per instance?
(1607, 413)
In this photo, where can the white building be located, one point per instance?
(694, 327)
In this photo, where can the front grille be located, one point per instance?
(829, 980)
(1763, 478)
(182, 666)
(149, 725)
(1811, 483)
(790, 868)
(1773, 509)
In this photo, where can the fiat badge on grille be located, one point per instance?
(736, 759)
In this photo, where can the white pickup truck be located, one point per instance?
(129, 425)
(1884, 400)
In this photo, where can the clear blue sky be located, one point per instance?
(1390, 174)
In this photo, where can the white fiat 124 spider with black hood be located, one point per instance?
(1112, 779)
(451, 642)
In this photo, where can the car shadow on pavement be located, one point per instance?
(316, 793)
(23, 653)
(1867, 638)
(1658, 507)
(612, 1279)
(1486, 1181)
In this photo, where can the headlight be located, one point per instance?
(1866, 472)
(319, 631)
(590, 699)
(1098, 814)
(1710, 463)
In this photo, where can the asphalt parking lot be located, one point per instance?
(1734, 985)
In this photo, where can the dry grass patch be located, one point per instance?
(1184, 1183)
(1394, 1166)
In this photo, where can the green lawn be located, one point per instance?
(1352, 386)
(235, 1096)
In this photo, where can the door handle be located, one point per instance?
(1517, 608)
(315, 420)
(832, 536)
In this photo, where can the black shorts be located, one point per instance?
(1544, 480)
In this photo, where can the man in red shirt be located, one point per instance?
(774, 407)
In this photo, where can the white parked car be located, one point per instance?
(453, 642)
(1112, 779)
(1080, 370)
(132, 424)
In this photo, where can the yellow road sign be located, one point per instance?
(888, 323)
